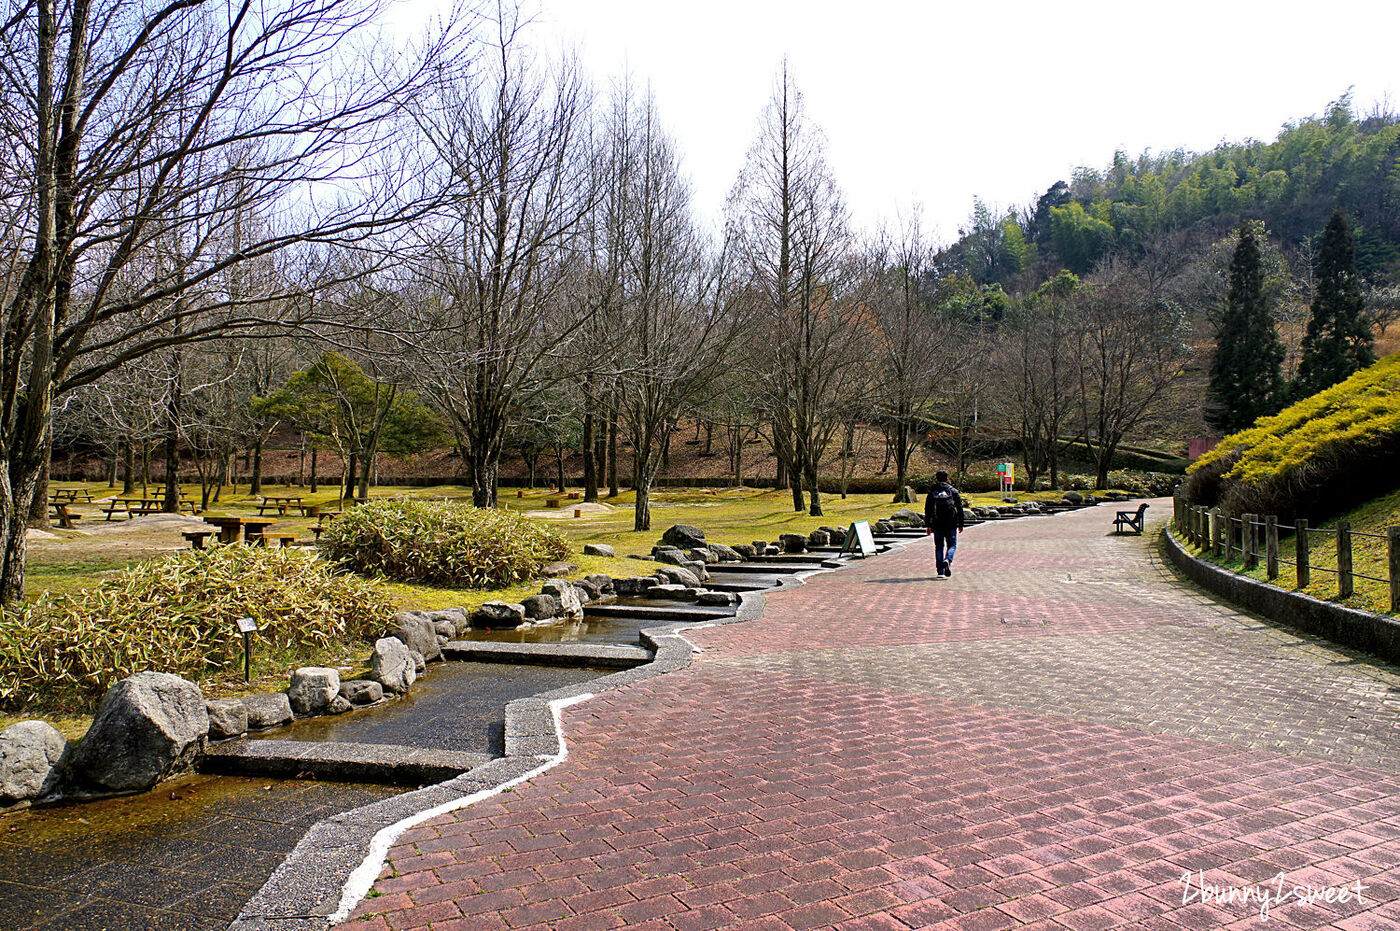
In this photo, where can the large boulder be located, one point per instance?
(498, 615)
(792, 542)
(313, 688)
(361, 691)
(724, 553)
(745, 551)
(541, 607)
(911, 517)
(570, 605)
(268, 710)
(672, 592)
(447, 621)
(698, 570)
(637, 585)
(598, 549)
(417, 632)
(31, 760)
(677, 575)
(597, 585)
(702, 554)
(391, 665)
(149, 726)
(818, 538)
(683, 536)
(715, 599)
(228, 717)
(558, 570)
(670, 555)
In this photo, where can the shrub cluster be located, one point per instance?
(1314, 457)
(176, 614)
(441, 543)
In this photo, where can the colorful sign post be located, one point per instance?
(1007, 472)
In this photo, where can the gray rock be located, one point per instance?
(557, 570)
(697, 569)
(725, 553)
(910, 496)
(670, 555)
(640, 556)
(453, 616)
(672, 592)
(361, 691)
(683, 536)
(391, 665)
(313, 688)
(760, 545)
(31, 760)
(818, 538)
(637, 585)
(228, 717)
(498, 615)
(883, 526)
(598, 549)
(792, 542)
(702, 554)
(420, 662)
(746, 551)
(417, 632)
(910, 517)
(588, 590)
(771, 550)
(268, 710)
(584, 595)
(837, 535)
(540, 607)
(1074, 497)
(570, 605)
(149, 726)
(446, 630)
(602, 581)
(716, 599)
(339, 705)
(676, 575)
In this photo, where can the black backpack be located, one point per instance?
(945, 510)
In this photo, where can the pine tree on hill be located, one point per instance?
(1338, 341)
(1246, 378)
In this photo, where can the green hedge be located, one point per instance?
(441, 543)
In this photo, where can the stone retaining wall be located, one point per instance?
(1374, 633)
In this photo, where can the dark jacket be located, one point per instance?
(943, 489)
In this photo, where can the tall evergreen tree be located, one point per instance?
(1338, 341)
(1246, 379)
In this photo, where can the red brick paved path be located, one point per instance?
(1050, 739)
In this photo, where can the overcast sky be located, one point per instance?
(936, 103)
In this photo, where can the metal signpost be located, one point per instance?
(247, 626)
(1007, 472)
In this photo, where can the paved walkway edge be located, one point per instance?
(1373, 633)
(336, 863)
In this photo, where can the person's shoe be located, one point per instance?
(947, 572)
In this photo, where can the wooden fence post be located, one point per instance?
(1271, 546)
(1300, 545)
(1178, 509)
(1344, 577)
(1215, 547)
(1251, 558)
(1229, 538)
(1392, 539)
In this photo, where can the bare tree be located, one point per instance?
(794, 245)
(123, 121)
(496, 322)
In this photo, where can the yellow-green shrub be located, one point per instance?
(441, 543)
(1342, 439)
(176, 614)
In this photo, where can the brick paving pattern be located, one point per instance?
(1051, 739)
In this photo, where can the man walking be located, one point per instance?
(943, 516)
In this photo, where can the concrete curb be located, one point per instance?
(1373, 633)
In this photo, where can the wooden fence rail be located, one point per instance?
(1253, 536)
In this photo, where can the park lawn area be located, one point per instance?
(1370, 557)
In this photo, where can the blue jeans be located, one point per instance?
(945, 545)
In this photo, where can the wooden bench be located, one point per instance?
(197, 538)
(1130, 521)
(553, 502)
(282, 539)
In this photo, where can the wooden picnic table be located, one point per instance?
(140, 507)
(63, 515)
(280, 504)
(234, 529)
(69, 495)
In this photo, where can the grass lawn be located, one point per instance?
(1370, 557)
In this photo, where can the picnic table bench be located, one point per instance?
(233, 529)
(282, 539)
(1130, 521)
(280, 504)
(140, 507)
(63, 515)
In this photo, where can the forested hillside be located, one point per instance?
(1339, 160)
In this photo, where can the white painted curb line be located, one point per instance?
(362, 879)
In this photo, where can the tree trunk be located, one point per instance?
(351, 469)
(810, 474)
(590, 465)
(799, 504)
(129, 459)
(314, 451)
(171, 504)
(641, 510)
(613, 490)
(901, 463)
(559, 463)
(39, 506)
(255, 479)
